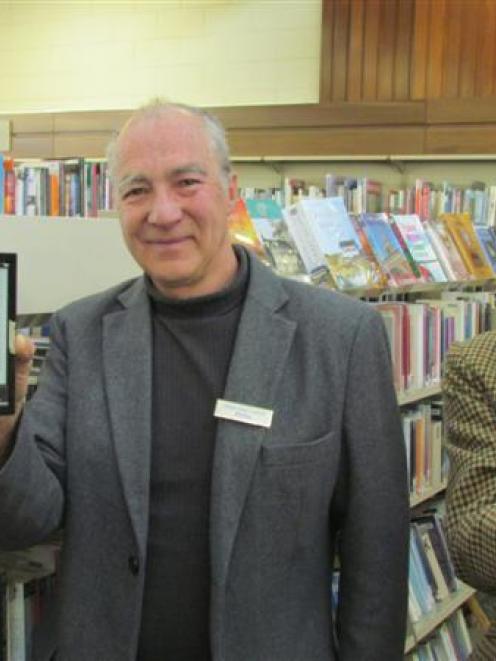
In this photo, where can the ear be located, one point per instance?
(232, 191)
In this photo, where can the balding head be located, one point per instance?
(159, 108)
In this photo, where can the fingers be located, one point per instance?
(24, 349)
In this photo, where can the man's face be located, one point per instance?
(173, 206)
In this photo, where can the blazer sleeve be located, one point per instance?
(469, 391)
(33, 477)
(374, 530)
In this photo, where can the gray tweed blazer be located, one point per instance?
(330, 468)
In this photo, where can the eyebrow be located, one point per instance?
(189, 168)
(134, 179)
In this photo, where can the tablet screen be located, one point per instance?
(8, 264)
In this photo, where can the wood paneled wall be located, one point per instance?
(401, 50)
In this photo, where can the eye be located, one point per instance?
(134, 192)
(188, 182)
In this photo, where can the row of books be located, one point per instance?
(317, 238)
(364, 195)
(59, 187)
(421, 333)
(427, 461)
(449, 642)
(431, 577)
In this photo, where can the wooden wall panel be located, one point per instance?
(420, 49)
(407, 49)
(486, 53)
(327, 141)
(371, 49)
(402, 54)
(385, 62)
(355, 51)
(340, 40)
(436, 49)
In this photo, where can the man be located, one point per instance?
(470, 416)
(194, 528)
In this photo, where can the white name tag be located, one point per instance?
(249, 415)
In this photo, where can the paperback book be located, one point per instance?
(411, 230)
(387, 249)
(274, 234)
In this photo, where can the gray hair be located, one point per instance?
(157, 107)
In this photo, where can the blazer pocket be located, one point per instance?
(299, 454)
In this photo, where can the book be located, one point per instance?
(487, 240)
(273, 231)
(419, 247)
(387, 249)
(377, 276)
(446, 251)
(463, 233)
(243, 231)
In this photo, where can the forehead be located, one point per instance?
(166, 138)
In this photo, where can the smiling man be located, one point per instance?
(208, 436)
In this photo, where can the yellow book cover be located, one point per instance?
(463, 233)
(242, 230)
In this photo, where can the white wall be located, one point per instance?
(104, 54)
(62, 259)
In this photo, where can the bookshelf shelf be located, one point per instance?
(387, 158)
(417, 499)
(413, 396)
(33, 563)
(440, 613)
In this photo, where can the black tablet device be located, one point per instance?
(8, 269)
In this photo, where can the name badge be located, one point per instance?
(249, 415)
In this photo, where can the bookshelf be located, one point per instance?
(440, 613)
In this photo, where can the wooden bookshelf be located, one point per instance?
(417, 499)
(413, 396)
(439, 614)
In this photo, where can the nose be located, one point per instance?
(165, 209)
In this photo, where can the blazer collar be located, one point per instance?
(127, 358)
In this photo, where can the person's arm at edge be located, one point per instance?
(470, 419)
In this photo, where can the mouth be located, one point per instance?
(166, 242)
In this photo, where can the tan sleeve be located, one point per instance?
(469, 392)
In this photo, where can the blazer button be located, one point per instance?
(133, 564)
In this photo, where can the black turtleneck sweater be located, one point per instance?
(193, 342)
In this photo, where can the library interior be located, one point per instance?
(248, 330)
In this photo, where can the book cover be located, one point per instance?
(447, 251)
(487, 242)
(242, 230)
(328, 220)
(377, 275)
(9, 186)
(387, 249)
(2, 185)
(463, 233)
(419, 246)
(273, 231)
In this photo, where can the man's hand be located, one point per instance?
(24, 350)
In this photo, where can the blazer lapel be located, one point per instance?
(262, 344)
(127, 344)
